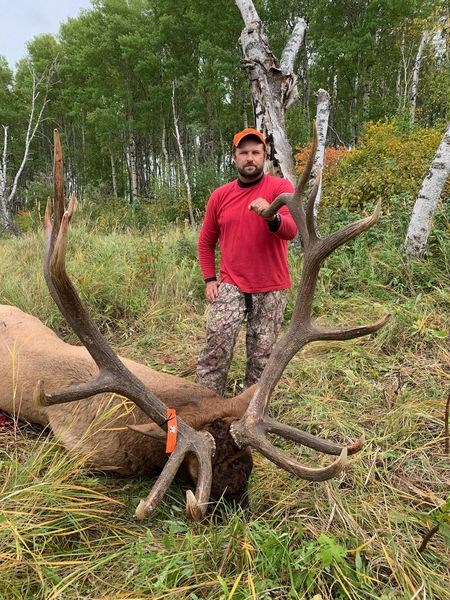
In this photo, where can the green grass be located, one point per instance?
(69, 534)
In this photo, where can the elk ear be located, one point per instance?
(151, 430)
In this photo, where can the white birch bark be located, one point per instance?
(416, 72)
(5, 216)
(113, 173)
(183, 161)
(288, 59)
(427, 199)
(322, 118)
(273, 84)
(403, 76)
(353, 116)
(3, 164)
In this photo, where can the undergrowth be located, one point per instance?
(69, 534)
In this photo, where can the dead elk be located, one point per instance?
(214, 435)
(104, 426)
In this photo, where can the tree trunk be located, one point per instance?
(113, 173)
(5, 216)
(273, 83)
(166, 163)
(353, 115)
(132, 169)
(183, 161)
(367, 92)
(416, 72)
(322, 116)
(305, 85)
(432, 186)
(402, 79)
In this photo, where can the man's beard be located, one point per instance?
(255, 174)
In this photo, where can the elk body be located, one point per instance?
(99, 426)
(40, 375)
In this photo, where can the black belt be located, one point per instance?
(248, 298)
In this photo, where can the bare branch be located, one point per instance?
(33, 124)
(292, 46)
(248, 11)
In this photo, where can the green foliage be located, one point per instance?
(117, 61)
(6, 109)
(387, 163)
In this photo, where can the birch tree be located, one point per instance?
(273, 83)
(416, 71)
(429, 194)
(38, 101)
(322, 117)
(182, 159)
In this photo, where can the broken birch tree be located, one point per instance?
(427, 199)
(273, 83)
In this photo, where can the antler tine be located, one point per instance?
(58, 184)
(300, 214)
(304, 178)
(253, 427)
(196, 505)
(309, 440)
(113, 375)
(309, 210)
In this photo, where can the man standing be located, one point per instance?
(254, 275)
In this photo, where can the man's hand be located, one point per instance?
(212, 291)
(258, 206)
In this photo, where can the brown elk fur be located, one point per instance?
(97, 426)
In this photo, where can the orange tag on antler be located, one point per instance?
(172, 430)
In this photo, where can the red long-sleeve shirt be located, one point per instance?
(251, 256)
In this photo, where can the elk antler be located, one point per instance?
(113, 376)
(252, 428)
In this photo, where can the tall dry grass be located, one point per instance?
(69, 534)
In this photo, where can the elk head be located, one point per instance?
(249, 430)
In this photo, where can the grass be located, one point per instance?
(68, 534)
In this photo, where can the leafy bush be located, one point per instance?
(331, 160)
(386, 163)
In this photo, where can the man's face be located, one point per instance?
(249, 159)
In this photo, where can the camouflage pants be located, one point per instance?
(224, 321)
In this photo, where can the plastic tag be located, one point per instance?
(172, 430)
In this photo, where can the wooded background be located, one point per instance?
(109, 79)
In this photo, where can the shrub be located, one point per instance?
(387, 163)
(331, 160)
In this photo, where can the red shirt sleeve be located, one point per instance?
(207, 239)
